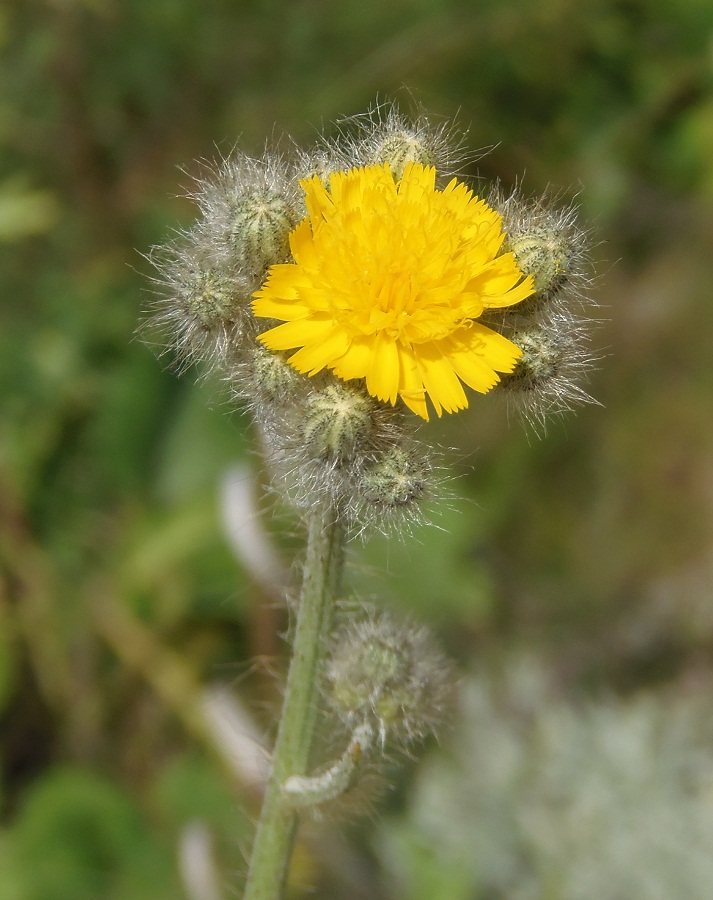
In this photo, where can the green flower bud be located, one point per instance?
(385, 135)
(546, 254)
(548, 244)
(273, 376)
(249, 207)
(204, 306)
(213, 298)
(321, 162)
(402, 147)
(547, 378)
(397, 478)
(387, 673)
(543, 353)
(338, 420)
(259, 230)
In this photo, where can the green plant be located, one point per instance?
(386, 287)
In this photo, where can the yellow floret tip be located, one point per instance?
(388, 281)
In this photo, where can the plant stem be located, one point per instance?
(278, 820)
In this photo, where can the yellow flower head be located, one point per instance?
(387, 282)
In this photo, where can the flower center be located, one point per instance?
(395, 298)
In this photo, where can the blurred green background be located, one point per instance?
(570, 575)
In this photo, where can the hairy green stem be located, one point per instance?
(278, 820)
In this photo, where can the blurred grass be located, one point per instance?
(589, 548)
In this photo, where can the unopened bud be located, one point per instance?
(213, 298)
(322, 162)
(249, 207)
(396, 478)
(274, 377)
(547, 378)
(548, 243)
(337, 421)
(385, 135)
(543, 353)
(400, 148)
(387, 672)
(260, 230)
(204, 310)
(546, 254)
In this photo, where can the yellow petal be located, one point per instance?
(416, 402)
(441, 382)
(318, 200)
(416, 180)
(316, 355)
(515, 295)
(388, 282)
(283, 280)
(477, 354)
(296, 334)
(354, 363)
(496, 351)
(267, 306)
(411, 389)
(382, 377)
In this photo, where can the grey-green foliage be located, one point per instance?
(545, 799)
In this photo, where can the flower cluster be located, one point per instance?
(347, 292)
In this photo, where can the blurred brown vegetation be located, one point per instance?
(125, 612)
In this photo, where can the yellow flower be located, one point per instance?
(387, 283)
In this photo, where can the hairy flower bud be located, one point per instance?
(547, 243)
(546, 379)
(545, 254)
(400, 148)
(387, 673)
(213, 298)
(543, 354)
(205, 306)
(396, 478)
(260, 229)
(249, 208)
(321, 161)
(385, 135)
(338, 420)
(273, 376)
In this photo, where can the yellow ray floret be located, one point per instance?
(387, 283)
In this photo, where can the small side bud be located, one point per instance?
(401, 148)
(249, 207)
(389, 674)
(545, 254)
(213, 298)
(203, 309)
(385, 135)
(338, 420)
(548, 244)
(555, 358)
(396, 478)
(321, 161)
(544, 352)
(260, 229)
(274, 378)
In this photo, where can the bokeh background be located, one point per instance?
(569, 576)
